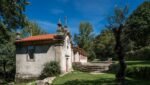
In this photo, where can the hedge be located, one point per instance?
(140, 72)
(135, 71)
(141, 54)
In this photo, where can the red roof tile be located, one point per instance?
(37, 38)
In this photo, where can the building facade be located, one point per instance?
(33, 52)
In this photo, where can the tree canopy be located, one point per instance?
(104, 44)
(85, 39)
(12, 17)
(138, 25)
(32, 28)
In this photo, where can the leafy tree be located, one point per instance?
(138, 26)
(116, 24)
(32, 29)
(104, 44)
(85, 39)
(11, 18)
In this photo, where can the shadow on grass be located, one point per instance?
(138, 62)
(91, 82)
(108, 81)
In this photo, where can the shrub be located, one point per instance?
(134, 71)
(141, 54)
(50, 69)
(141, 72)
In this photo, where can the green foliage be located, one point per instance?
(140, 72)
(135, 69)
(11, 18)
(104, 45)
(138, 24)
(85, 39)
(84, 78)
(140, 54)
(11, 13)
(33, 29)
(51, 69)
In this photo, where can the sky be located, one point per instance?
(46, 13)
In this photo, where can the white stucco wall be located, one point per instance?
(72, 55)
(43, 54)
(66, 49)
(32, 68)
(76, 57)
(83, 59)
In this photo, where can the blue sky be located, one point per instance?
(47, 12)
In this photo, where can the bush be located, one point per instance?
(51, 69)
(140, 72)
(141, 54)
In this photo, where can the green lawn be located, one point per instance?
(138, 63)
(82, 78)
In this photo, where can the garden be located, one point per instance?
(108, 78)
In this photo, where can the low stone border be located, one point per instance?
(46, 81)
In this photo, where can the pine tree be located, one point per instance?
(11, 18)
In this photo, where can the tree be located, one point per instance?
(104, 44)
(116, 24)
(85, 39)
(138, 25)
(32, 29)
(11, 18)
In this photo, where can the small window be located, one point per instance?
(31, 50)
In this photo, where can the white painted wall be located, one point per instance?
(77, 57)
(32, 68)
(83, 59)
(26, 69)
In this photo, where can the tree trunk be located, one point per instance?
(120, 76)
(4, 69)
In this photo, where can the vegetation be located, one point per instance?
(140, 54)
(32, 29)
(104, 45)
(116, 24)
(11, 18)
(82, 78)
(137, 26)
(84, 39)
(50, 69)
(135, 69)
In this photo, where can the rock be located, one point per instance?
(12, 83)
(39, 82)
(46, 81)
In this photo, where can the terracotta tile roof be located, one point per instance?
(38, 38)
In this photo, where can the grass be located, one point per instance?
(77, 76)
(138, 63)
(30, 83)
(82, 78)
